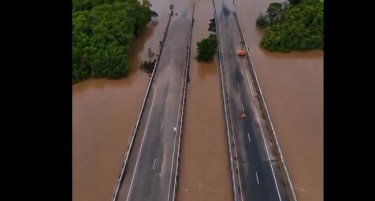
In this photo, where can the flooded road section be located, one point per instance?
(151, 169)
(104, 115)
(105, 112)
(292, 84)
(204, 173)
(258, 170)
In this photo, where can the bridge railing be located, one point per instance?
(225, 102)
(183, 101)
(128, 152)
(268, 121)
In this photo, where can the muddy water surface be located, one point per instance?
(104, 115)
(204, 171)
(105, 112)
(292, 84)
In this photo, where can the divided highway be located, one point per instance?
(257, 174)
(151, 171)
(152, 165)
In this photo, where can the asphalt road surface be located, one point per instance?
(151, 170)
(259, 176)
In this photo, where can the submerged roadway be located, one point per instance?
(151, 171)
(258, 176)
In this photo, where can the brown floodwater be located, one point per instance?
(204, 172)
(104, 115)
(105, 112)
(292, 84)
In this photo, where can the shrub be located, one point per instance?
(207, 47)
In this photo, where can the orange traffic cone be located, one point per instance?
(242, 53)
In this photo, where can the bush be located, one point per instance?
(207, 48)
(262, 20)
(148, 66)
(294, 2)
(300, 27)
(274, 11)
(102, 34)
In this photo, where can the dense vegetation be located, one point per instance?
(103, 31)
(207, 47)
(293, 25)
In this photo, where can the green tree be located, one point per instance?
(294, 2)
(103, 31)
(207, 48)
(262, 20)
(274, 11)
(300, 26)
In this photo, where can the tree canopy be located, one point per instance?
(207, 47)
(294, 26)
(103, 31)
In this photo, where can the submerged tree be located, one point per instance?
(149, 64)
(294, 2)
(295, 27)
(102, 34)
(207, 47)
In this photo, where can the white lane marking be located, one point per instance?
(261, 129)
(153, 167)
(248, 137)
(144, 135)
(256, 174)
(161, 127)
(238, 85)
(235, 149)
(268, 154)
(175, 138)
(174, 129)
(231, 52)
(243, 109)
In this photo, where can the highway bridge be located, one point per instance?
(150, 168)
(257, 172)
(149, 172)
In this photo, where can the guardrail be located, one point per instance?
(186, 72)
(268, 121)
(127, 153)
(225, 100)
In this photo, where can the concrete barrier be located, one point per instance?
(183, 99)
(267, 117)
(128, 152)
(225, 102)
